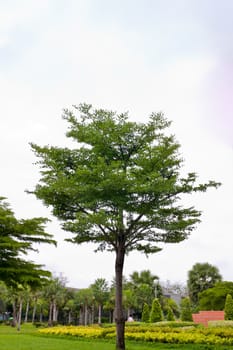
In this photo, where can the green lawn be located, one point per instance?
(29, 339)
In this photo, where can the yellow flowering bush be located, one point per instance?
(185, 335)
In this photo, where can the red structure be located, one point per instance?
(205, 316)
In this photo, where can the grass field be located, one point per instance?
(29, 339)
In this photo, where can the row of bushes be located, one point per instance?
(153, 333)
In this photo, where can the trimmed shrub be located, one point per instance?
(186, 312)
(170, 314)
(228, 307)
(156, 311)
(145, 313)
(221, 324)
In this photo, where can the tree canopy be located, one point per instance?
(17, 238)
(120, 187)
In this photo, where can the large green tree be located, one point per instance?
(119, 187)
(202, 276)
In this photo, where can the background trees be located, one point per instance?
(214, 298)
(119, 188)
(201, 277)
(145, 287)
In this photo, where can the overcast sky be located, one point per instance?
(174, 56)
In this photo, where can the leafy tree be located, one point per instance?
(145, 287)
(201, 277)
(169, 304)
(70, 308)
(156, 311)
(228, 307)
(85, 299)
(119, 188)
(17, 237)
(214, 298)
(129, 301)
(186, 310)
(143, 277)
(146, 313)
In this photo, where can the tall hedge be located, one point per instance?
(156, 311)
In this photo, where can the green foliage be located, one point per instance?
(186, 312)
(202, 276)
(156, 311)
(146, 313)
(228, 307)
(120, 184)
(214, 298)
(17, 237)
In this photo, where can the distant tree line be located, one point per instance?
(53, 302)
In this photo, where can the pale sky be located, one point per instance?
(174, 56)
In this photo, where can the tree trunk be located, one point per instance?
(70, 317)
(93, 314)
(99, 313)
(26, 311)
(54, 311)
(14, 321)
(41, 314)
(85, 314)
(119, 315)
(20, 314)
(50, 313)
(81, 316)
(34, 312)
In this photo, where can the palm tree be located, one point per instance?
(55, 292)
(100, 292)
